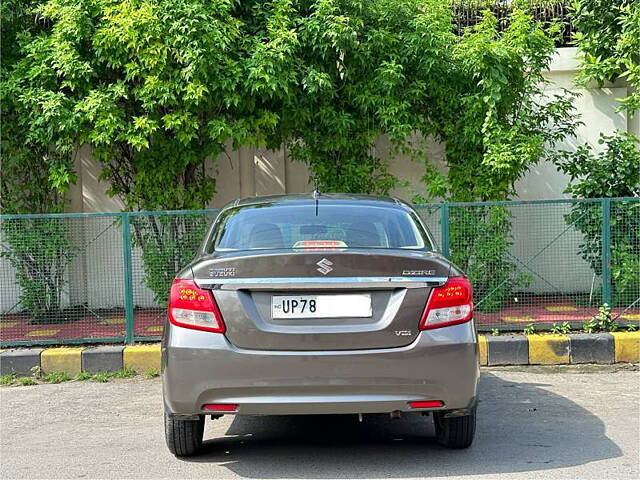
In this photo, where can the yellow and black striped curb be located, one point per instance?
(558, 349)
(72, 361)
(500, 350)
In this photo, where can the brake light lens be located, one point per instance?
(427, 404)
(193, 307)
(450, 304)
(220, 407)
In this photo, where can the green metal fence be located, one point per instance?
(93, 278)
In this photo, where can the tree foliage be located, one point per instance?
(360, 70)
(480, 244)
(608, 37)
(157, 87)
(35, 177)
(147, 84)
(496, 118)
(612, 172)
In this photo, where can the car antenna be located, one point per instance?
(316, 194)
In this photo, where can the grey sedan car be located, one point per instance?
(319, 304)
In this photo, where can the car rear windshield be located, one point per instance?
(302, 226)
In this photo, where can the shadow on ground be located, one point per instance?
(521, 427)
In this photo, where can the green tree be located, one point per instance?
(146, 84)
(608, 38)
(34, 174)
(496, 118)
(497, 121)
(156, 88)
(35, 177)
(355, 70)
(359, 70)
(612, 172)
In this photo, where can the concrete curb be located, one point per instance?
(483, 349)
(142, 358)
(72, 361)
(19, 362)
(508, 350)
(106, 358)
(552, 349)
(591, 348)
(67, 360)
(626, 346)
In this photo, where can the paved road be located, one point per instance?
(531, 425)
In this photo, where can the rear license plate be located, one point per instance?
(321, 306)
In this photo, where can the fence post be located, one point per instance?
(128, 276)
(444, 228)
(606, 250)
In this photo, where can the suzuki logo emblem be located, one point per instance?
(324, 266)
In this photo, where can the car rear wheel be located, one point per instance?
(184, 437)
(455, 432)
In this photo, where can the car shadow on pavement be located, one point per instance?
(521, 427)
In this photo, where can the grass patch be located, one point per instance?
(104, 377)
(83, 376)
(7, 379)
(56, 377)
(101, 377)
(59, 377)
(124, 373)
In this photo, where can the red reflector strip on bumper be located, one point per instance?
(220, 407)
(427, 404)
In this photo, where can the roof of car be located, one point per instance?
(333, 198)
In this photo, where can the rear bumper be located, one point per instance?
(201, 367)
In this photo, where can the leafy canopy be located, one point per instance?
(34, 179)
(359, 70)
(608, 37)
(612, 171)
(495, 116)
(34, 176)
(158, 87)
(155, 87)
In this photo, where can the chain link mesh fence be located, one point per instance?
(61, 279)
(93, 278)
(524, 263)
(162, 244)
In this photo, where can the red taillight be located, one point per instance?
(427, 404)
(449, 304)
(192, 307)
(220, 407)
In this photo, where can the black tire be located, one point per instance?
(455, 432)
(184, 437)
